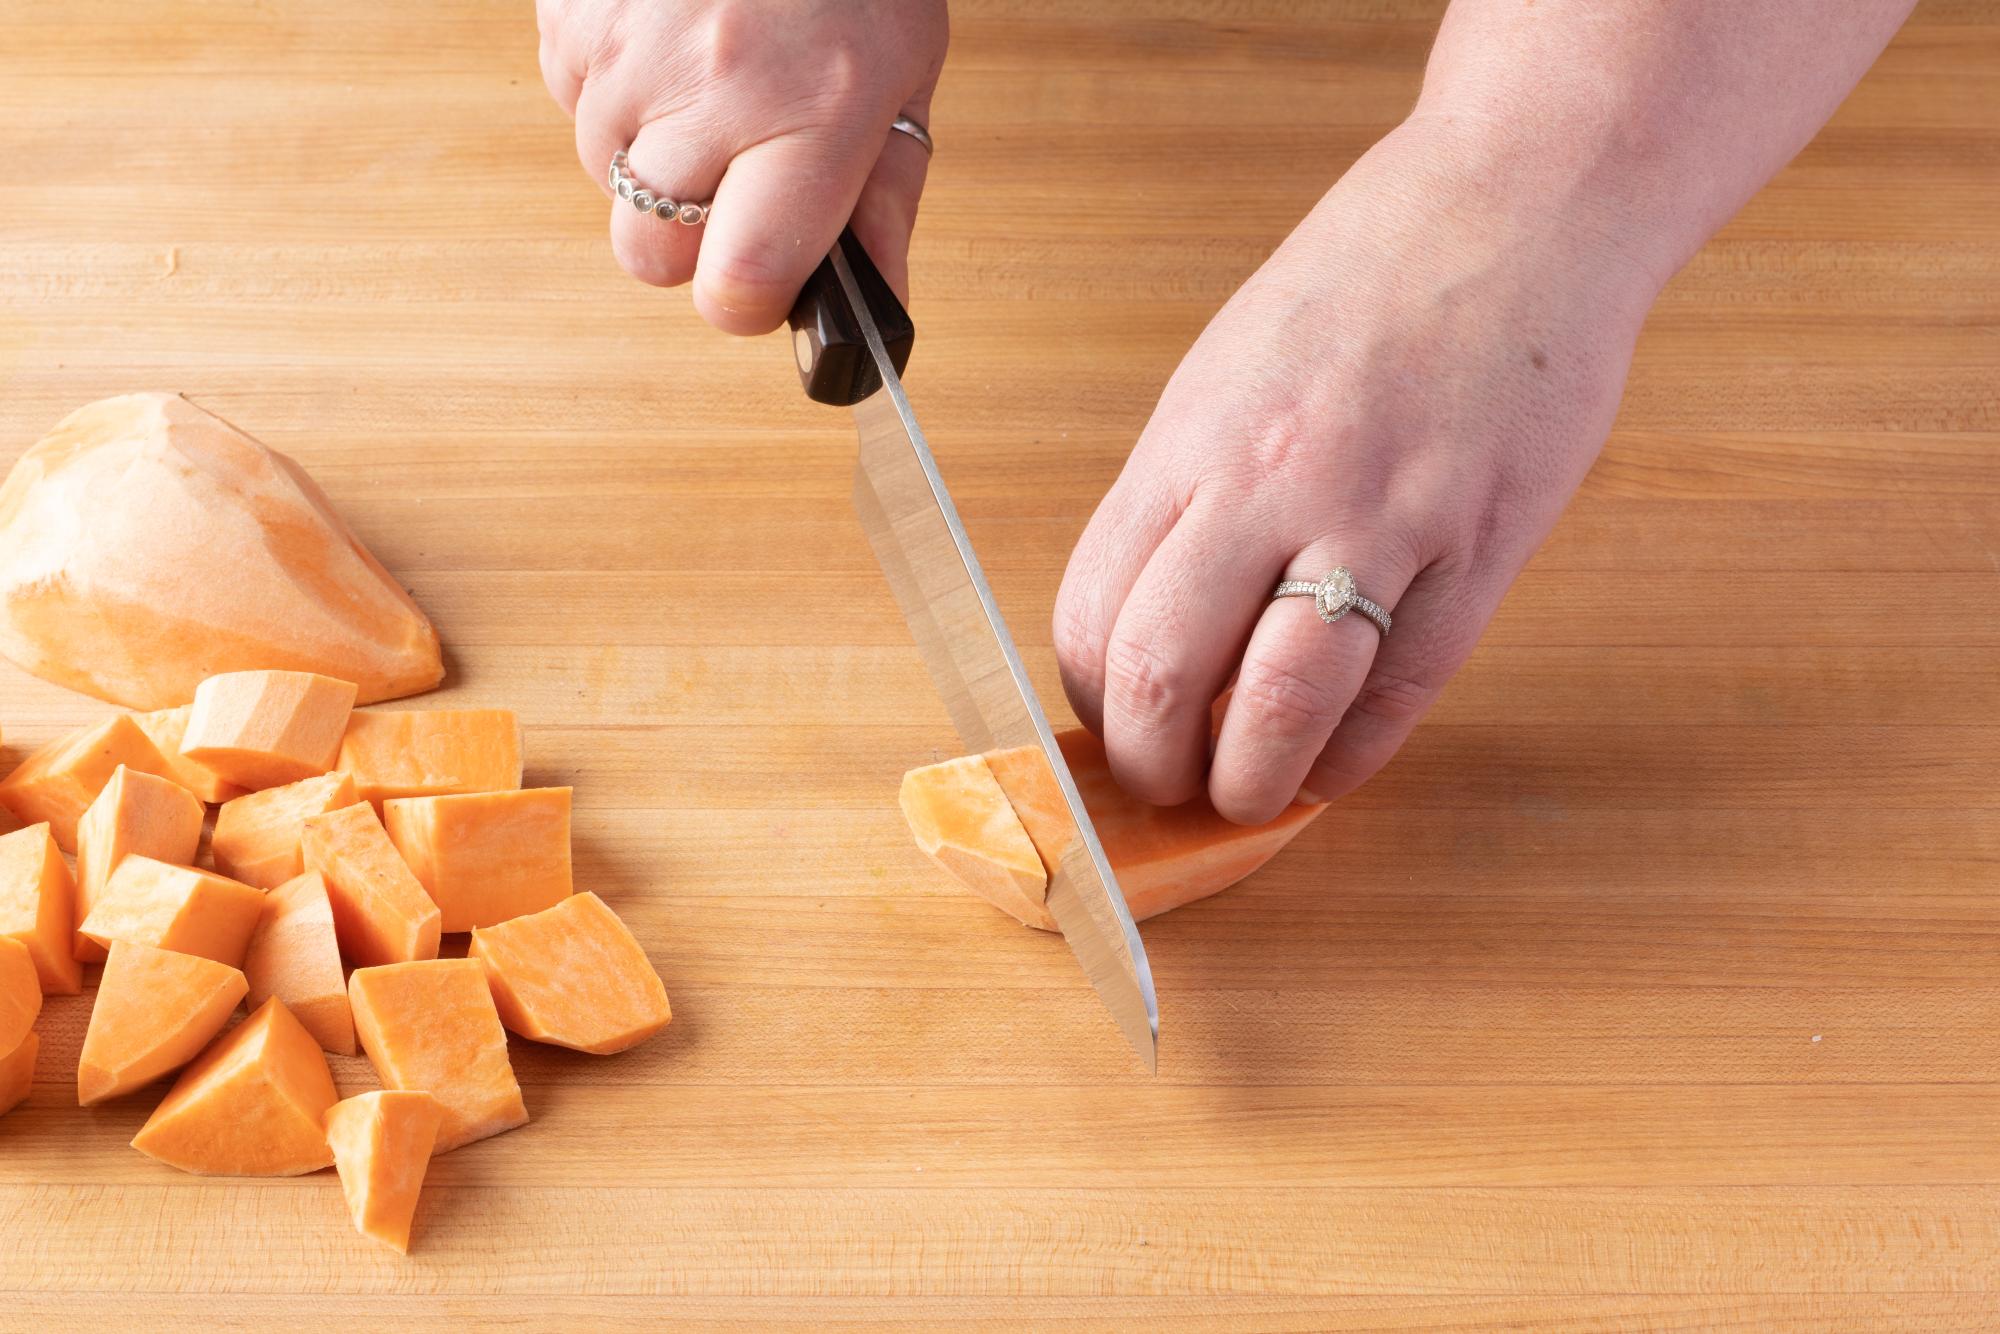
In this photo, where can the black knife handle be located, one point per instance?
(834, 364)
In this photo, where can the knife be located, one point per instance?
(852, 337)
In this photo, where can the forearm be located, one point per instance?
(1650, 122)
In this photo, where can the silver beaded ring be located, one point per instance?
(686, 212)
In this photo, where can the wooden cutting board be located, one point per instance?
(1658, 981)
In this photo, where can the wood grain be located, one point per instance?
(1656, 985)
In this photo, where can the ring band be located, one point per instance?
(687, 212)
(692, 213)
(923, 136)
(1334, 596)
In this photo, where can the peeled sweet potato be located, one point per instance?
(175, 908)
(574, 976)
(58, 782)
(485, 857)
(155, 1010)
(20, 993)
(258, 836)
(136, 813)
(294, 956)
(265, 729)
(110, 533)
(37, 906)
(431, 752)
(963, 821)
(166, 727)
(1164, 856)
(381, 1144)
(254, 1104)
(380, 913)
(17, 1073)
(432, 1026)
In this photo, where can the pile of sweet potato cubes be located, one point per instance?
(343, 839)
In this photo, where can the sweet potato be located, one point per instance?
(58, 782)
(431, 752)
(136, 813)
(1164, 856)
(253, 1104)
(294, 956)
(380, 913)
(572, 975)
(963, 821)
(382, 1144)
(38, 906)
(166, 727)
(20, 993)
(17, 1073)
(485, 857)
(257, 837)
(176, 908)
(432, 1026)
(145, 545)
(155, 1010)
(266, 729)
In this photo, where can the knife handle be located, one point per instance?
(834, 364)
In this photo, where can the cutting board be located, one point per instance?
(1658, 980)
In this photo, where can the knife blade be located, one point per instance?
(851, 337)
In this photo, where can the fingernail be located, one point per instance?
(1307, 797)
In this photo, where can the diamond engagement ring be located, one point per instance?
(1334, 596)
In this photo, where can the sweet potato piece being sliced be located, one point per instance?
(963, 821)
(136, 813)
(166, 727)
(380, 913)
(252, 1105)
(573, 975)
(145, 544)
(382, 1144)
(266, 729)
(20, 993)
(58, 782)
(38, 906)
(432, 1026)
(257, 837)
(176, 908)
(432, 752)
(485, 857)
(155, 1010)
(295, 957)
(1165, 856)
(17, 1073)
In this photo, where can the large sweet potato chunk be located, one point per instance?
(431, 1025)
(155, 1011)
(110, 530)
(37, 898)
(574, 976)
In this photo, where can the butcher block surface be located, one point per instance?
(1657, 983)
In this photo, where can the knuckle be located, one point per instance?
(1394, 699)
(1149, 685)
(1079, 642)
(1287, 704)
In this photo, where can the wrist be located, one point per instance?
(1562, 205)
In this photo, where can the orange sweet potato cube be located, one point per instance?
(155, 1011)
(136, 814)
(38, 906)
(253, 1104)
(257, 837)
(17, 1073)
(963, 821)
(432, 1026)
(573, 975)
(380, 913)
(176, 908)
(58, 782)
(295, 956)
(432, 752)
(485, 857)
(382, 1144)
(20, 993)
(166, 727)
(264, 729)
